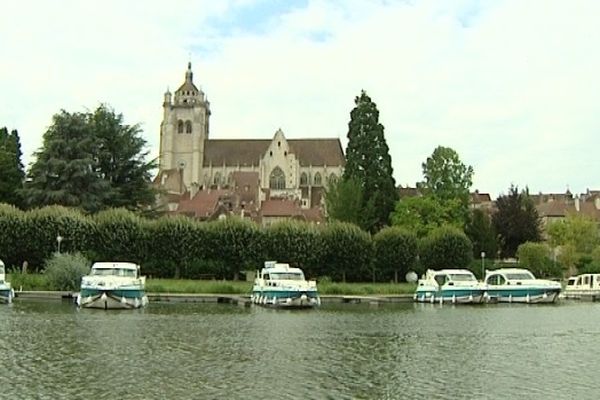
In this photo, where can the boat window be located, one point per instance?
(571, 282)
(114, 271)
(579, 281)
(440, 279)
(519, 276)
(586, 280)
(293, 276)
(462, 277)
(266, 276)
(496, 280)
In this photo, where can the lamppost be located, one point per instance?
(58, 240)
(483, 265)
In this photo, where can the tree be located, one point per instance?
(516, 221)
(422, 214)
(536, 258)
(395, 252)
(121, 159)
(579, 231)
(343, 201)
(369, 162)
(446, 247)
(12, 172)
(91, 161)
(481, 232)
(447, 178)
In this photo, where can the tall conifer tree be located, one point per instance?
(369, 162)
(12, 172)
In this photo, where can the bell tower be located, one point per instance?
(184, 129)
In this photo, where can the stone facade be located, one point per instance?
(191, 164)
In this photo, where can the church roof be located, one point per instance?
(188, 85)
(248, 152)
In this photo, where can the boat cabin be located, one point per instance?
(449, 277)
(584, 281)
(129, 270)
(508, 276)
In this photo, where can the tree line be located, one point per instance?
(92, 161)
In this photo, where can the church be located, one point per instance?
(262, 179)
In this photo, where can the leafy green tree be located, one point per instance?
(343, 201)
(516, 221)
(121, 160)
(536, 258)
(12, 172)
(481, 232)
(446, 247)
(65, 270)
(369, 162)
(447, 178)
(91, 161)
(579, 231)
(422, 214)
(395, 252)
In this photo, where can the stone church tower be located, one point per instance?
(184, 130)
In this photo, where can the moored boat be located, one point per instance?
(518, 285)
(583, 286)
(279, 285)
(457, 286)
(6, 291)
(113, 285)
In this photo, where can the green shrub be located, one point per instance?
(64, 271)
(536, 258)
(348, 253)
(120, 235)
(446, 247)
(13, 232)
(395, 253)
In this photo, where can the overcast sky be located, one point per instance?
(511, 85)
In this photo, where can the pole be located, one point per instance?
(482, 265)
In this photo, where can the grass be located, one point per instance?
(33, 281)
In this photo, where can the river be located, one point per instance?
(52, 350)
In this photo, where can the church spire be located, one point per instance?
(189, 75)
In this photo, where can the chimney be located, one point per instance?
(577, 207)
(597, 203)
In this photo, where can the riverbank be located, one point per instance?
(38, 282)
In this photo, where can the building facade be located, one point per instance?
(250, 172)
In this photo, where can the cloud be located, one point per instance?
(514, 90)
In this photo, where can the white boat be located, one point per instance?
(113, 285)
(279, 285)
(6, 291)
(518, 285)
(457, 286)
(584, 285)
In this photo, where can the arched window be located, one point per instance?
(188, 126)
(332, 179)
(277, 179)
(317, 179)
(304, 179)
(229, 178)
(217, 178)
(180, 126)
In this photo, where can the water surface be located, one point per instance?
(52, 350)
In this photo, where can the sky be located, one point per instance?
(512, 86)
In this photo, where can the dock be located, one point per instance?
(235, 299)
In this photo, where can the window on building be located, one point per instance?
(217, 178)
(188, 126)
(304, 179)
(332, 178)
(277, 179)
(317, 179)
(180, 126)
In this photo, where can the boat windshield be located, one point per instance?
(114, 271)
(292, 276)
(462, 277)
(519, 276)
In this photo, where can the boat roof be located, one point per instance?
(274, 266)
(450, 271)
(508, 270)
(1, 263)
(113, 265)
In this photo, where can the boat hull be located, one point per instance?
(108, 299)
(6, 295)
(454, 296)
(523, 295)
(286, 298)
